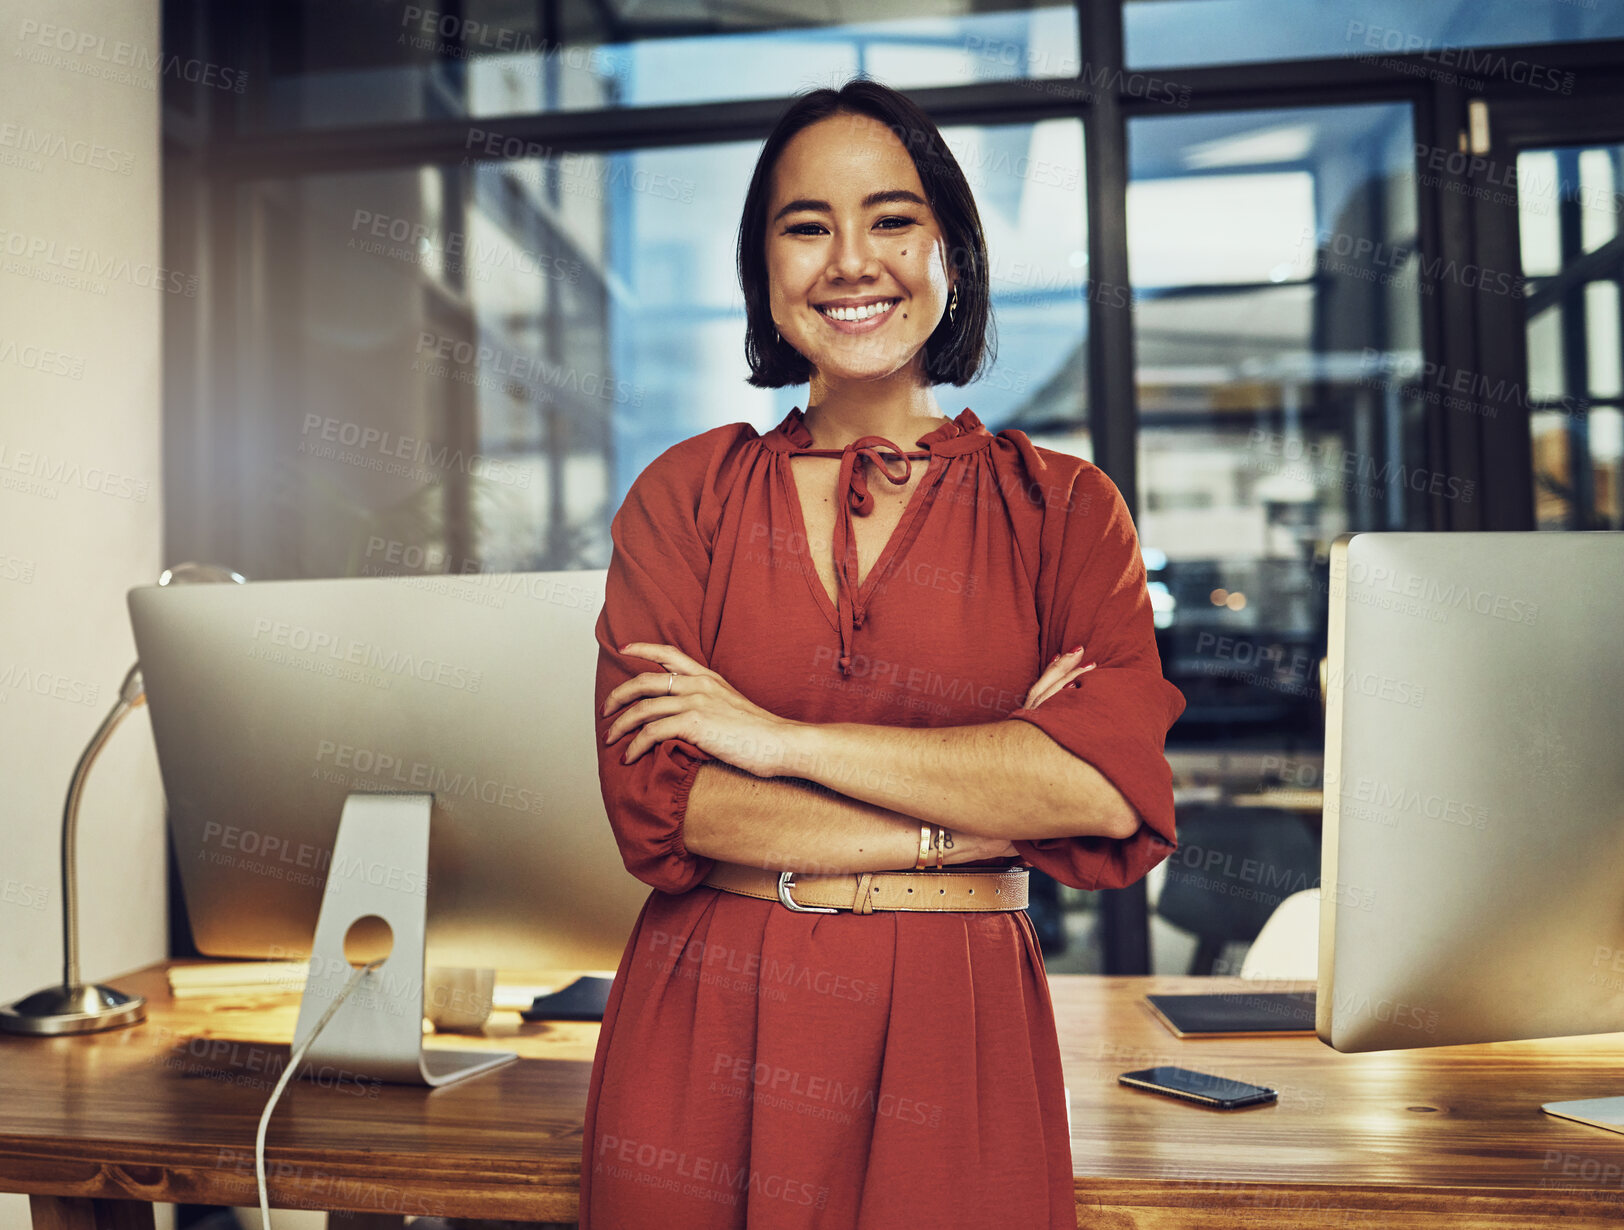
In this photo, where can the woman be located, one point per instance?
(769, 702)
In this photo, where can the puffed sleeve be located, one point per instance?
(655, 592)
(1091, 592)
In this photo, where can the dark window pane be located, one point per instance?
(1276, 292)
(1572, 254)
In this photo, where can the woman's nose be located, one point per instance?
(853, 254)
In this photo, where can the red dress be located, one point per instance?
(779, 1070)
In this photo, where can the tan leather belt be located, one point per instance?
(973, 889)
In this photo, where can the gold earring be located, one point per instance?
(952, 303)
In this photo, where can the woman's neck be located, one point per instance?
(835, 420)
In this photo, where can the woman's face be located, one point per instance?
(829, 244)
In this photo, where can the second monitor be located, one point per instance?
(1474, 791)
(273, 703)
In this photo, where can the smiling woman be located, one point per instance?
(856, 203)
(835, 764)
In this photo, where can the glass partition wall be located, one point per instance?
(463, 367)
(466, 268)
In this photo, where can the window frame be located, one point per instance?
(207, 157)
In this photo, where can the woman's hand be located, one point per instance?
(967, 848)
(1063, 668)
(700, 707)
(1060, 673)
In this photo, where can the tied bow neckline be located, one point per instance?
(856, 498)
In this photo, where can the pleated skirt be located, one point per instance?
(767, 1069)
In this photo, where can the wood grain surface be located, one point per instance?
(1441, 1136)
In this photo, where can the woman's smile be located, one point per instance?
(864, 319)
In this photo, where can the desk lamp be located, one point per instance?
(74, 1008)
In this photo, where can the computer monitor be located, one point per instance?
(278, 707)
(1474, 791)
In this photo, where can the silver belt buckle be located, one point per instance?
(785, 883)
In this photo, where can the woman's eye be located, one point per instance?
(808, 228)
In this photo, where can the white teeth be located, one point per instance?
(861, 313)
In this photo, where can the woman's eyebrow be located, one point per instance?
(885, 197)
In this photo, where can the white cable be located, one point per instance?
(293, 1066)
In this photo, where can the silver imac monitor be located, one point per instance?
(1473, 856)
(446, 719)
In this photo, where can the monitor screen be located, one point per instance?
(1474, 789)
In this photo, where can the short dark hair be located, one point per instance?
(956, 350)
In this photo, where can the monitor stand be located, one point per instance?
(1605, 1113)
(376, 902)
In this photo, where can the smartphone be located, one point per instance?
(1215, 1091)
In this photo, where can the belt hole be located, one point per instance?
(941, 890)
(972, 892)
(910, 890)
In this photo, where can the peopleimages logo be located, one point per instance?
(1484, 61)
(1401, 798)
(1326, 463)
(1368, 683)
(15, 678)
(1365, 253)
(32, 142)
(1437, 592)
(419, 775)
(460, 249)
(365, 653)
(77, 259)
(533, 372)
(1460, 388)
(34, 470)
(42, 359)
(377, 449)
(51, 42)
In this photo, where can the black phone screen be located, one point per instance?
(1197, 1086)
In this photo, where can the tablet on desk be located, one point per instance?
(1236, 1013)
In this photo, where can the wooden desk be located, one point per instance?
(98, 1127)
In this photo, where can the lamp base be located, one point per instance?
(72, 1010)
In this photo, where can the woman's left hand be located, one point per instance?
(702, 708)
(1063, 671)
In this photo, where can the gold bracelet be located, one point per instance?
(925, 838)
(941, 838)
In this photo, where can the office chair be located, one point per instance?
(1288, 946)
(1233, 867)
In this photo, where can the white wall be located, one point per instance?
(80, 507)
